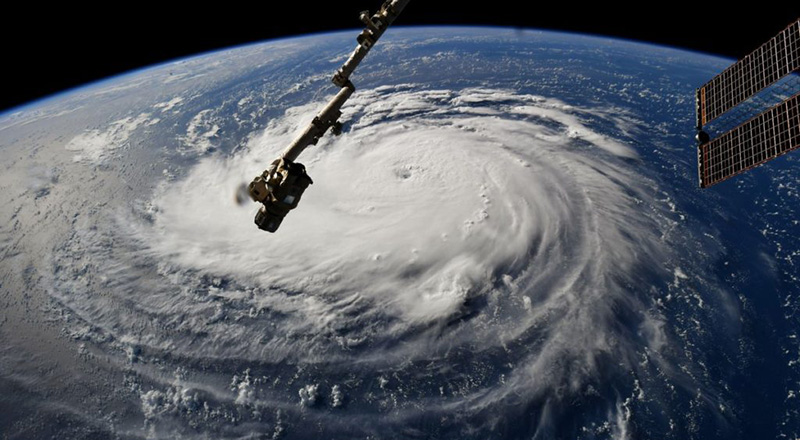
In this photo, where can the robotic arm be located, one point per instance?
(280, 187)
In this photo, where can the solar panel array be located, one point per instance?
(772, 61)
(766, 136)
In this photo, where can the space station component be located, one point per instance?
(280, 187)
(773, 67)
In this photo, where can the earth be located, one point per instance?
(507, 241)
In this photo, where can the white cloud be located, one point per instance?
(201, 133)
(169, 105)
(97, 145)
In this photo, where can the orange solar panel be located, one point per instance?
(765, 136)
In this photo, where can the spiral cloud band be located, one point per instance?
(480, 240)
(429, 200)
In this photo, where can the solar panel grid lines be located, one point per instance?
(768, 135)
(767, 64)
(764, 99)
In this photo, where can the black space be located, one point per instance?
(49, 49)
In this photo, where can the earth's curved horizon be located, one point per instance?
(30, 105)
(507, 241)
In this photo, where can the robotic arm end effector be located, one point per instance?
(278, 189)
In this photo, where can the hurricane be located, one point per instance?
(468, 263)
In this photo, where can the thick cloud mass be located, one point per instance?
(482, 233)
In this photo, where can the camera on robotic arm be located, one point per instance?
(278, 189)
